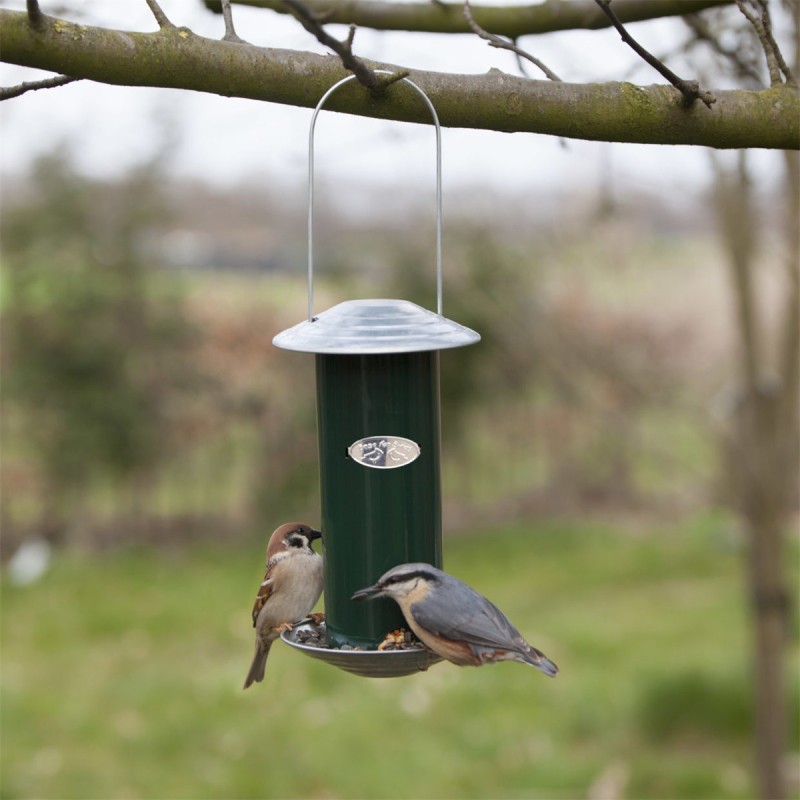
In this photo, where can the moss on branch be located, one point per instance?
(620, 112)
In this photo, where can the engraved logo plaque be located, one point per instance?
(384, 452)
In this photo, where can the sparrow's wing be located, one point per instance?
(458, 613)
(264, 591)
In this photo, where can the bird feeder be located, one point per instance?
(378, 420)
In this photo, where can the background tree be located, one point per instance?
(94, 343)
(763, 435)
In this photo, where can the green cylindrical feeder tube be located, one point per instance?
(376, 518)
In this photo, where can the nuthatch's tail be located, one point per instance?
(536, 658)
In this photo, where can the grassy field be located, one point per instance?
(122, 679)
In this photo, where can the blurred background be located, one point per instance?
(631, 301)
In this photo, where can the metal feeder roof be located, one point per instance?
(365, 327)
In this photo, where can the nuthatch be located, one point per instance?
(453, 620)
(290, 589)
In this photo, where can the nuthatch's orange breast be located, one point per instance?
(456, 652)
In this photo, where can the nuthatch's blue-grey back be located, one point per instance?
(453, 620)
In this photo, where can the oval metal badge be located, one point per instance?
(384, 452)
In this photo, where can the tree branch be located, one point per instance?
(762, 24)
(34, 12)
(703, 33)
(512, 21)
(364, 75)
(620, 112)
(230, 31)
(161, 17)
(499, 42)
(690, 90)
(8, 92)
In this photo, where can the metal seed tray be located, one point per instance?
(366, 663)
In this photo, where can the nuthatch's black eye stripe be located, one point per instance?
(409, 576)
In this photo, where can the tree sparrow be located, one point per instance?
(290, 589)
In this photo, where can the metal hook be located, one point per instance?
(311, 189)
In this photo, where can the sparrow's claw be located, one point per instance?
(284, 626)
(316, 619)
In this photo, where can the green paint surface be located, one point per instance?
(374, 519)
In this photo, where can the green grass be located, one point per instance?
(122, 679)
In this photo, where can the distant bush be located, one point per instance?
(94, 343)
(696, 703)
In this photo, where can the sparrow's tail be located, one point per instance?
(256, 673)
(536, 658)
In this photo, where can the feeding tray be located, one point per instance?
(365, 663)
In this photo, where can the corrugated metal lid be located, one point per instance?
(375, 326)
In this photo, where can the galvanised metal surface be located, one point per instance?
(366, 663)
(376, 518)
(375, 326)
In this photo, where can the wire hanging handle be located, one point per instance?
(314, 116)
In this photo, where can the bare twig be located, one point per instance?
(504, 44)
(35, 15)
(161, 17)
(365, 76)
(523, 69)
(703, 33)
(758, 26)
(762, 24)
(7, 92)
(230, 31)
(787, 72)
(690, 90)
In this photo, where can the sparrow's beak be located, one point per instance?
(314, 534)
(368, 594)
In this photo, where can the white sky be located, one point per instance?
(226, 140)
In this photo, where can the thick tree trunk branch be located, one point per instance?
(512, 21)
(619, 112)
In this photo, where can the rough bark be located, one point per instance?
(513, 21)
(620, 112)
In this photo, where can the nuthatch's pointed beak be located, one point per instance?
(368, 594)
